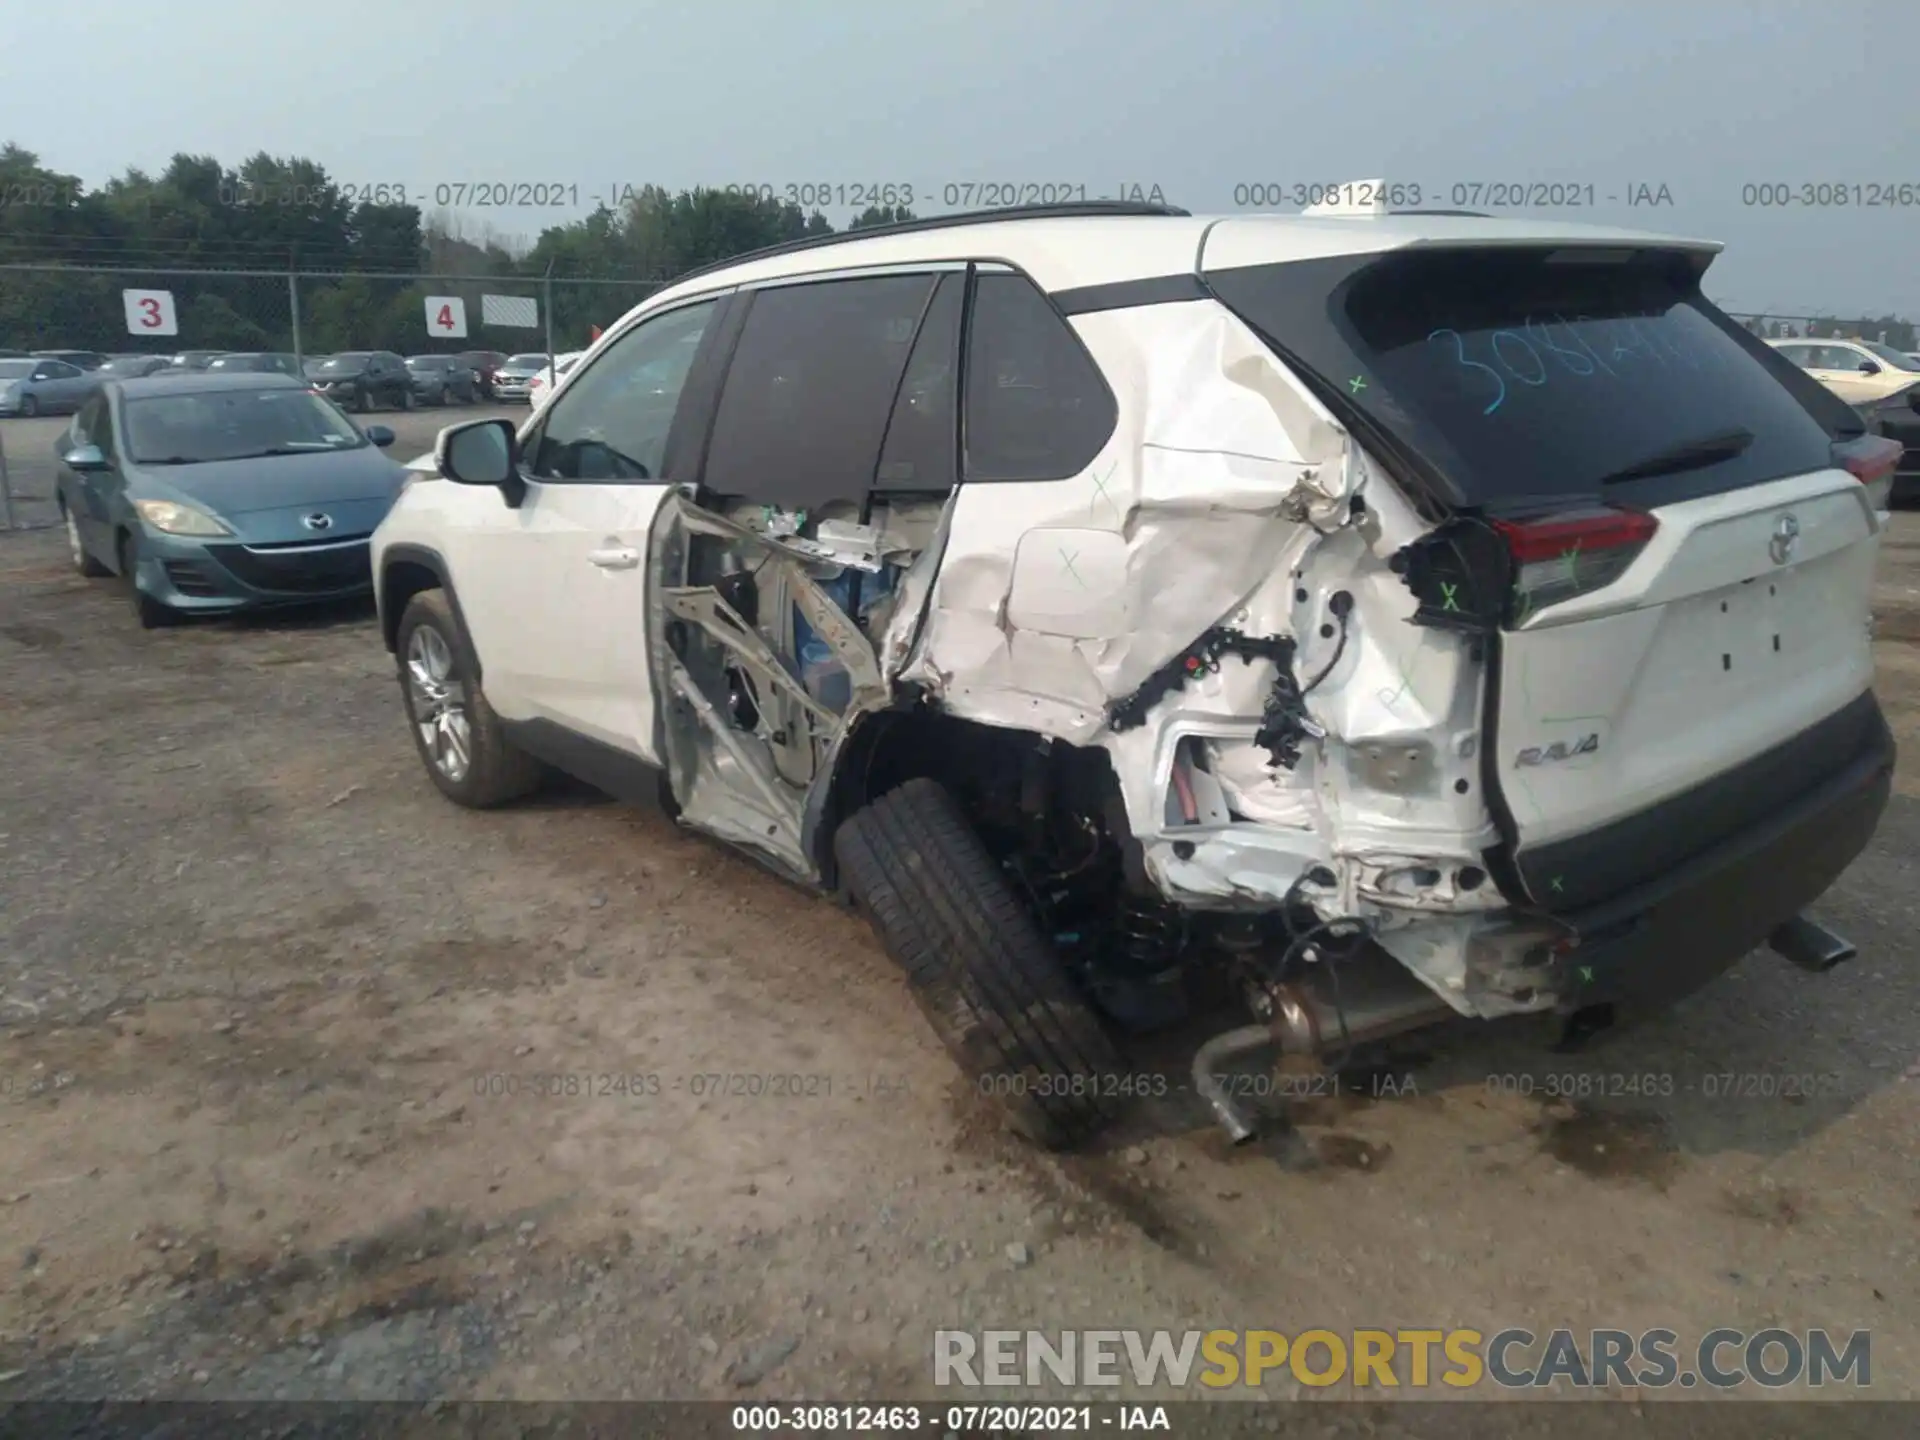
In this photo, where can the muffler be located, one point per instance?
(1301, 1022)
(1810, 945)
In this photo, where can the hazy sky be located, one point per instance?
(1197, 96)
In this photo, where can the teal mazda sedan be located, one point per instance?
(209, 493)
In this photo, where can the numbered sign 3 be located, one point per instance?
(150, 312)
(447, 317)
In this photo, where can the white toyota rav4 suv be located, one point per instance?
(1394, 616)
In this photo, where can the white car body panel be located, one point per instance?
(1225, 497)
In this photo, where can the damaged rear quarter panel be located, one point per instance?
(1057, 597)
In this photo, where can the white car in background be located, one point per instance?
(541, 386)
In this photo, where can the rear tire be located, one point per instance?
(990, 984)
(443, 699)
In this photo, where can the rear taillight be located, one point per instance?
(1871, 459)
(1574, 553)
(1868, 457)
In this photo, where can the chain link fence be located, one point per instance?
(163, 311)
(1900, 334)
(306, 313)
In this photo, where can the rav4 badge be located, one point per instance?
(1558, 750)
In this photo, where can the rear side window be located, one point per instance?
(922, 449)
(1037, 407)
(1518, 376)
(807, 397)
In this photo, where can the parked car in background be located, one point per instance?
(43, 387)
(196, 359)
(484, 363)
(83, 359)
(257, 362)
(1860, 372)
(209, 493)
(513, 378)
(311, 364)
(362, 379)
(1913, 355)
(442, 380)
(132, 367)
(542, 385)
(14, 355)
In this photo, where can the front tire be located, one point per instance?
(29, 406)
(989, 982)
(460, 739)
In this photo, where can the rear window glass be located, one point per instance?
(1036, 407)
(812, 382)
(1530, 375)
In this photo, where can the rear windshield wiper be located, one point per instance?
(1688, 455)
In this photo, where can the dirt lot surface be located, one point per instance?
(262, 991)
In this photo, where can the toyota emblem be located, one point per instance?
(1786, 538)
(320, 520)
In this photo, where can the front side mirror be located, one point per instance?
(480, 452)
(380, 435)
(84, 458)
(1867, 367)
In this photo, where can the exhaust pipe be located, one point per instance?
(1810, 945)
(1300, 1023)
(1230, 1045)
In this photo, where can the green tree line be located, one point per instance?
(273, 214)
(352, 249)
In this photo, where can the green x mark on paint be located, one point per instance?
(1068, 560)
(1586, 974)
(1557, 887)
(1447, 595)
(1357, 384)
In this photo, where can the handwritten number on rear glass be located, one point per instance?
(1460, 355)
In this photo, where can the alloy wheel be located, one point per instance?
(439, 704)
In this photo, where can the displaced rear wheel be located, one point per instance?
(989, 982)
(459, 738)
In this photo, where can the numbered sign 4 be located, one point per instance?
(150, 312)
(447, 317)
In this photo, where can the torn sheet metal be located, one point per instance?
(1179, 520)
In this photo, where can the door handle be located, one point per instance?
(621, 559)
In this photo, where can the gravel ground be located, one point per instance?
(262, 990)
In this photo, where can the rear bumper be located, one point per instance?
(1654, 944)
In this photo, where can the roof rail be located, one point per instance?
(1065, 210)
